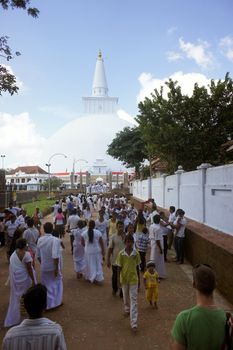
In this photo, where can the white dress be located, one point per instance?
(93, 257)
(155, 234)
(78, 251)
(20, 281)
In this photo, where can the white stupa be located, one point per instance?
(88, 136)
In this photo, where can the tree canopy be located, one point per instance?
(128, 147)
(187, 130)
(7, 79)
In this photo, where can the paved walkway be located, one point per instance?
(93, 319)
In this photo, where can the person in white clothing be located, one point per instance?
(72, 223)
(156, 239)
(78, 250)
(31, 235)
(179, 226)
(94, 253)
(171, 220)
(102, 225)
(49, 255)
(36, 332)
(22, 276)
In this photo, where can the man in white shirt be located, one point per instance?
(179, 226)
(72, 223)
(31, 234)
(37, 332)
(171, 220)
(49, 255)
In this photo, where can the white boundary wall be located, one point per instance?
(206, 194)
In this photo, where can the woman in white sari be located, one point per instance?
(78, 250)
(94, 253)
(156, 239)
(22, 276)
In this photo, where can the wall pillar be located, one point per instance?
(110, 181)
(126, 180)
(178, 173)
(202, 168)
(149, 179)
(164, 189)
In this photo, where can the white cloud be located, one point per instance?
(174, 56)
(19, 140)
(171, 30)
(199, 52)
(226, 45)
(125, 116)
(186, 81)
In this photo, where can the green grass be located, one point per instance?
(42, 204)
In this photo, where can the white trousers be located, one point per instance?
(130, 294)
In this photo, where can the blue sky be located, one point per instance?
(143, 43)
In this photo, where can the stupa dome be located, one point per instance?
(88, 136)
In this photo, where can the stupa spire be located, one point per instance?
(99, 86)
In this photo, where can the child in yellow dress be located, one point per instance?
(151, 280)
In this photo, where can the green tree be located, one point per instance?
(186, 130)
(8, 80)
(55, 183)
(128, 147)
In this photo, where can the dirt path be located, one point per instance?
(93, 319)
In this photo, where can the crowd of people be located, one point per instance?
(133, 243)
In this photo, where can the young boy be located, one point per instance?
(128, 261)
(151, 279)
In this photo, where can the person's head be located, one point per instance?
(129, 242)
(114, 216)
(124, 214)
(145, 230)
(80, 224)
(59, 210)
(172, 209)
(130, 229)
(101, 214)
(35, 300)
(74, 211)
(30, 222)
(48, 227)
(13, 218)
(57, 202)
(150, 266)
(21, 243)
(180, 212)
(204, 279)
(91, 227)
(120, 227)
(156, 219)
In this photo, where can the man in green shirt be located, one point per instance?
(203, 326)
(116, 244)
(128, 261)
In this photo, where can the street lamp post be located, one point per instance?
(3, 156)
(49, 165)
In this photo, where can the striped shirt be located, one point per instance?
(39, 334)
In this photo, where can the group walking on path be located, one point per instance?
(92, 315)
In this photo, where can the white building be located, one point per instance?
(29, 178)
